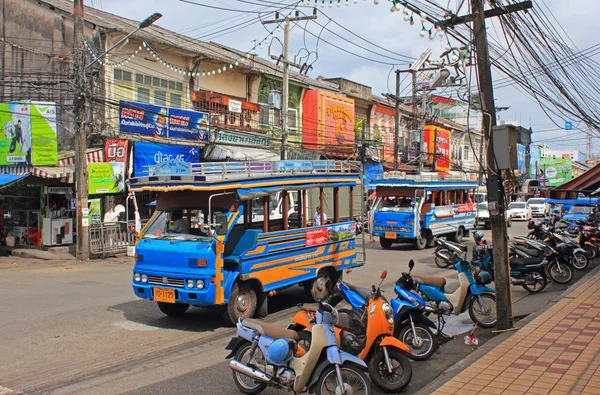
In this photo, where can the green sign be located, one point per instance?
(106, 178)
(95, 213)
(556, 171)
(28, 134)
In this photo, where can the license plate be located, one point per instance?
(390, 235)
(164, 295)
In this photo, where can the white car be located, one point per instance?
(520, 210)
(538, 207)
(483, 216)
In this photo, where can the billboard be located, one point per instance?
(146, 155)
(521, 159)
(327, 122)
(438, 140)
(28, 133)
(556, 171)
(163, 123)
(106, 177)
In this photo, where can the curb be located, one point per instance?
(464, 363)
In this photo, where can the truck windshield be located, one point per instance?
(580, 210)
(184, 225)
(535, 201)
(397, 204)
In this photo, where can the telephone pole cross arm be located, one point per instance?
(495, 185)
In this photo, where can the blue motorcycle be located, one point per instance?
(268, 355)
(411, 326)
(471, 294)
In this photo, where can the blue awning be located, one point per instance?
(8, 179)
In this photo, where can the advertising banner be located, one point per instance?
(438, 140)
(28, 135)
(188, 125)
(106, 178)
(116, 150)
(146, 155)
(316, 236)
(143, 119)
(556, 171)
(327, 122)
(521, 158)
(162, 122)
(95, 211)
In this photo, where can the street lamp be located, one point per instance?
(143, 24)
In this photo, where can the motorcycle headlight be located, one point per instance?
(389, 312)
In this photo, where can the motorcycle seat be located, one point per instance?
(271, 330)
(460, 246)
(528, 251)
(436, 281)
(365, 293)
(524, 262)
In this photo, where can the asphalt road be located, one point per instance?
(70, 328)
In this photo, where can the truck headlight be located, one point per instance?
(389, 312)
(200, 284)
(137, 277)
(144, 278)
(190, 283)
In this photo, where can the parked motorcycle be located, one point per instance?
(471, 295)
(568, 245)
(369, 335)
(532, 276)
(448, 253)
(558, 267)
(266, 355)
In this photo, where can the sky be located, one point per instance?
(372, 27)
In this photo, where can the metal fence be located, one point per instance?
(111, 238)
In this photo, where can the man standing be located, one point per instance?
(17, 137)
(317, 219)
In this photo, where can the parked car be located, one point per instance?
(520, 210)
(483, 216)
(539, 207)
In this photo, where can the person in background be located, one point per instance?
(179, 225)
(317, 218)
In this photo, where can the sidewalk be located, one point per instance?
(556, 353)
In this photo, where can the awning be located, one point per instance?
(9, 179)
(62, 173)
(586, 183)
(224, 153)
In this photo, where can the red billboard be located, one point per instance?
(438, 140)
(327, 122)
(116, 150)
(316, 236)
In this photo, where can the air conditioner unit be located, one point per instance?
(275, 100)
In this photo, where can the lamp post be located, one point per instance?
(80, 103)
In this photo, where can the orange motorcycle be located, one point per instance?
(368, 334)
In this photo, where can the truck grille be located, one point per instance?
(174, 282)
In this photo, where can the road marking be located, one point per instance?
(132, 326)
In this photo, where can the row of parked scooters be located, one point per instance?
(551, 251)
(329, 351)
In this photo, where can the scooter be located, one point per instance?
(470, 295)
(448, 253)
(265, 355)
(535, 251)
(370, 338)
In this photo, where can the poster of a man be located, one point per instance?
(17, 137)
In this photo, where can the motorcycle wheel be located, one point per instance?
(538, 280)
(590, 250)
(429, 342)
(560, 274)
(244, 383)
(580, 260)
(355, 381)
(485, 319)
(401, 370)
(441, 262)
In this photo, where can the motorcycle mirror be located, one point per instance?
(384, 274)
(411, 264)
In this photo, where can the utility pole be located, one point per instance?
(424, 155)
(79, 104)
(397, 122)
(286, 79)
(588, 145)
(495, 185)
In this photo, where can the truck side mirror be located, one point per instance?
(221, 222)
